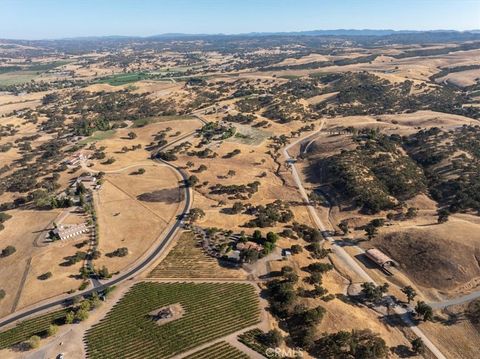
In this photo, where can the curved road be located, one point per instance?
(344, 256)
(435, 305)
(131, 272)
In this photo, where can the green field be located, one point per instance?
(249, 135)
(290, 77)
(123, 79)
(14, 75)
(98, 136)
(17, 77)
(36, 326)
(220, 350)
(212, 311)
(146, 121)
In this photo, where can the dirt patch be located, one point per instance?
(167, 314)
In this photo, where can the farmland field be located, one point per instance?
(251, 340)
(146, 121)
(212, 310)
(249, 136)
(187, 260)
(26, 329)
(18, 77)
(220, 350)
(123, 79)
(98, 136)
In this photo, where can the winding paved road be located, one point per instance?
(340, 253)
(129, 273)
(435, 305)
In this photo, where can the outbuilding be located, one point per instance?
(380, 258)
(63, 232)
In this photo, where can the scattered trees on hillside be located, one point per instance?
(473, 312)
(418, 347)
(443, 215)
(192, 181)
(409, 292)
(424, 310)
(195, 214)
(354, 344)
(373, 293)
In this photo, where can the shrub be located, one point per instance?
(119, 252)
(81, 315)
(52, 330)
(45, 276)
(7, 251)
(296, 248)
(33, 342)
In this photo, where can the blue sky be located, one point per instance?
(38, 19)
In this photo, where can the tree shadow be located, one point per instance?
(165, 195)
(402, 351)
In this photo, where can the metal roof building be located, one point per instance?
(380, 258)
(71, 231)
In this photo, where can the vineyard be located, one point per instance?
(251, 340)
(36, 326)
(212, 310)
(220, 350)
(187, 260)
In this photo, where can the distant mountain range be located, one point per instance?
(347, 33)
(336, 32)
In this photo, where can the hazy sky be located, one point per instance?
(38, 19)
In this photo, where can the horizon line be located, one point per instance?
(186, 34)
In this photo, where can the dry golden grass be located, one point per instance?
(145, 135)
(463, 78)
(126, 221)
(22, 231)
(456, 338)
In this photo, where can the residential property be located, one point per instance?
(234, 255)
(76, 159)
(249, 245)
(66, 232)
(88, 181)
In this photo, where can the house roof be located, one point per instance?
(66, 231)
(249, 245)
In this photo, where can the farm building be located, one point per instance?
(380, 258)
(63, 232)
(88, 181)
(75, 159)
